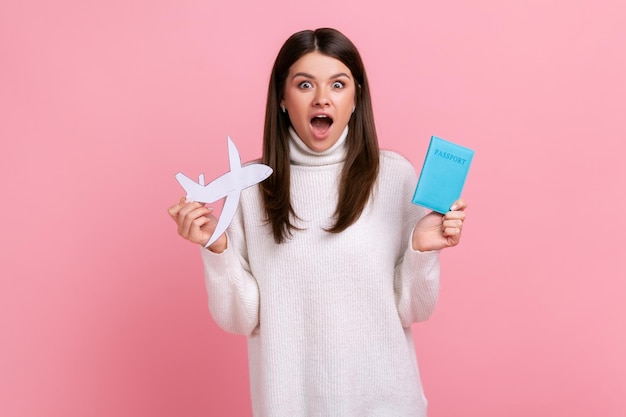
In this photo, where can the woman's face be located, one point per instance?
(319, 98)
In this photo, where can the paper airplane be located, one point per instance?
(228, 185)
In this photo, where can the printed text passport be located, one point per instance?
(443, 175)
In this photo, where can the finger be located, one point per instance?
(197, 232)
(458, 205)
(454, 215)
(452, 232)
(188, 214)
(187, 207)
(452, 224)
(185, 224)
(173, 210)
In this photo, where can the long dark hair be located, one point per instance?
(361, 166)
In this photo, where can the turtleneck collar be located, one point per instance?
(301, 154)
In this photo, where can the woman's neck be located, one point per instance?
(301, 154)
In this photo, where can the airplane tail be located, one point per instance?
(194, 190)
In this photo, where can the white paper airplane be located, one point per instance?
(228, 185)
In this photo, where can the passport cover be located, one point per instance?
(443, 175)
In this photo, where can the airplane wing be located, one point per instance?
(228, 212)
(233, 156)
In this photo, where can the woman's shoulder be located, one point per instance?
(396, 169)
(391, 160)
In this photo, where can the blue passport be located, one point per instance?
(443, 175)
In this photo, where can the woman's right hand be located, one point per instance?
(196, 223)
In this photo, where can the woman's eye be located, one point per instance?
(338, 84)
(305, 84)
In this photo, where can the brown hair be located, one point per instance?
(361, 165)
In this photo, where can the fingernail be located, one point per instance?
(454, 207)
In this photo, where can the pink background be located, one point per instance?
(103, 307)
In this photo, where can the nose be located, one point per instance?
(321, 98)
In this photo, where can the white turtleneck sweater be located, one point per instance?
(328, 316)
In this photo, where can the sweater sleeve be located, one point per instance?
(417, 285)
(416, 282)
(233, 292)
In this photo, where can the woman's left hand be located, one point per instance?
(436, 231)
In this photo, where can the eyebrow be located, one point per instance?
(307, 75)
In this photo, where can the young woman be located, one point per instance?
(327, 263)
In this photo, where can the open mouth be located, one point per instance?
(321, 123)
